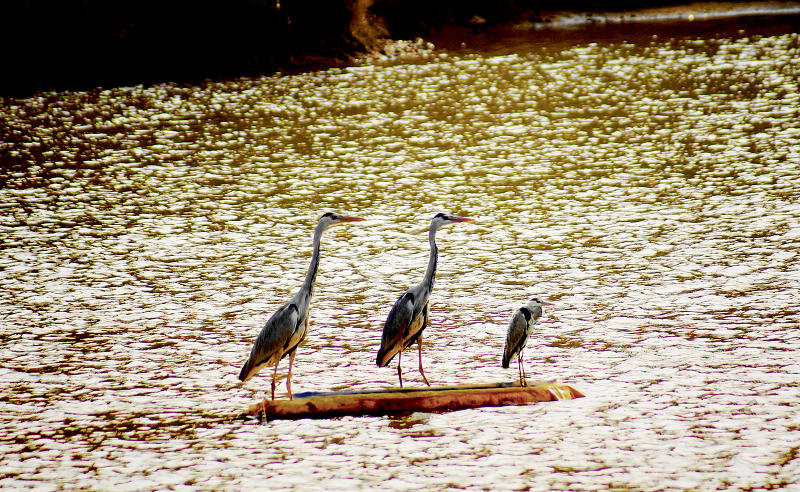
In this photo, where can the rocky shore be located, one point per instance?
(81, 44)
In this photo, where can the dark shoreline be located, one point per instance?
(81, 45)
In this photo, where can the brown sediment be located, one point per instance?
(577, 21)
(409, 18)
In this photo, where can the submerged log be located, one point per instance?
(399, 400)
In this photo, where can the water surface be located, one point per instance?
(647, 189)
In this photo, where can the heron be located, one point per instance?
(287, 328)
(518, 331)
(409, 315)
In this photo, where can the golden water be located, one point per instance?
(648, 190)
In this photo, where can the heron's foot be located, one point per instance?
(523, 382)
(425, 379)
(289, 389)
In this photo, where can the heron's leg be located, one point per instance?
(425, 322)
(522, 358)
(289, 376)
(274, 376)
(519, 370)
(291, 360)
(419, 345)
(399, 370)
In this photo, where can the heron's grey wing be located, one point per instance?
(516, 337)
(395, 327)
(272, 341)
(419, 320)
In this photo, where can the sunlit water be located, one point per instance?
(648, 190)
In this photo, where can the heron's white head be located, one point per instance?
(330, 218)
(535, 302)
(535, 307)
(441, 219)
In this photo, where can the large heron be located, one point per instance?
(409, 315)
(284, 331)
(518, 331)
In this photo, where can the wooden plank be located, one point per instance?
(399, 400)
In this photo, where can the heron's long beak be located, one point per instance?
(463, 219)
(353, 219)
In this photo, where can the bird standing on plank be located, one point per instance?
(518, 331)
(284, 331)
(409, 315)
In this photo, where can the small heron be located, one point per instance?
(284, 331)
(518, 331)
(409, 315)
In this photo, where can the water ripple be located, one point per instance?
(646, 189)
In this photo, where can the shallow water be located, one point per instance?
(647, 189)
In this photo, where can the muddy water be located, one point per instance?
(648, 190)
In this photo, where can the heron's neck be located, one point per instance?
(430, 273)
(311, 275)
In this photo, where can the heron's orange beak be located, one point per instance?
(353, 219)
(464, 219)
